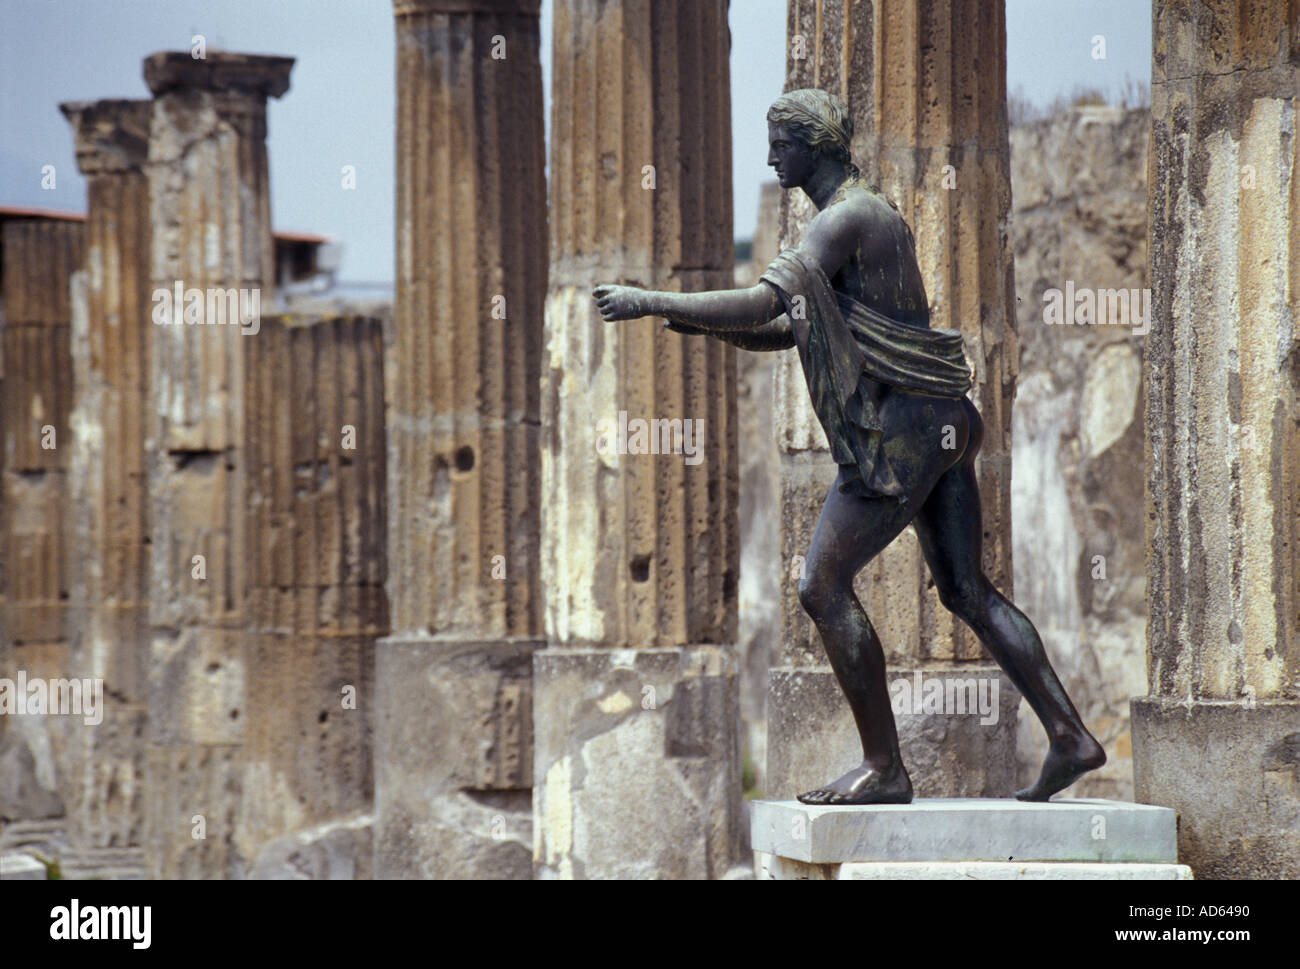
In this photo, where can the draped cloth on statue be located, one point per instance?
(840, 341)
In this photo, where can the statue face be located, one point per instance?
(793, 160)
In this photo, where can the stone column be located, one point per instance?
(111, 366)
(40, 257)
(315, 446)
(926, 84)
(453, 767)
(1216, 739)
(637, 768)
(211, 236)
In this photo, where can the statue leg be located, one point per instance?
(949, 529)
(850, 532)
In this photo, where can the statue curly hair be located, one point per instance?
(822, 121)
(819, 119)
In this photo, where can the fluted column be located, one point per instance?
(637, 757)
(211, 237)
(315, 450)
(453, 769)
(40, 258)
(1216, 737)
(36, 441)
(926, 85)
(111, 366)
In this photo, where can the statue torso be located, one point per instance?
(882, 273)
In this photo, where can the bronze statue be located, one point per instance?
(890, 393)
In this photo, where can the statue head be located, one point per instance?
(805, 129)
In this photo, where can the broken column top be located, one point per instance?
(404, 7)
(222, 71)
(112, 135)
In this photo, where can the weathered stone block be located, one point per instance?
(307, 750)
(1232, 773)
(637, 760)
(453, 757)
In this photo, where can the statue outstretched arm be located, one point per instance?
(752, 318)
(719, 310)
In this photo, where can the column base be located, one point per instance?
(637, 764)
(1230, 771)
(453, 758)
(950, 747)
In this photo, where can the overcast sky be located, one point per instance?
(339, 109)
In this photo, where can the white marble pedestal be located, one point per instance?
(981, 838)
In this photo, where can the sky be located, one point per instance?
(340, 106)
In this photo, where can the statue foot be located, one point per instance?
(1067, 761)
(864, 785)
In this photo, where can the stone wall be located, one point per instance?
(1079, 221)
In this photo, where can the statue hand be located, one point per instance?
(620, 302)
